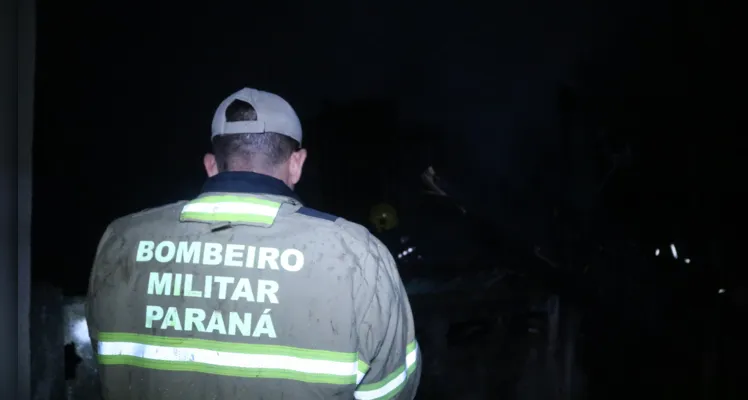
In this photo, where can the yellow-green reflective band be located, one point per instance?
(228, 359)
(391, 385)
(228, 208)
(411, 357)
(363, 368)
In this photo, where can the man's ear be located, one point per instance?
(295, 166)
(211, 168)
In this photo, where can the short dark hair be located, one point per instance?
(250, 151)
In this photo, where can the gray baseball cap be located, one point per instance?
(273, 115)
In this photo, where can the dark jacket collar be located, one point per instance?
(248, 182)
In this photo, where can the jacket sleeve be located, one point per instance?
(93, 283)
(390, 360)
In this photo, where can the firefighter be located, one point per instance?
(245, 293)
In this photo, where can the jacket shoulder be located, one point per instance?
(166, 212)
(313, 213)
(357, 231)
(342, 226)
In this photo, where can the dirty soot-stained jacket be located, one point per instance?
(243, 293)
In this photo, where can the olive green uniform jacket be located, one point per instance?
(243, 293)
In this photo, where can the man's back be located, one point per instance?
(240, 295)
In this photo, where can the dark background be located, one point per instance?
(560, 125)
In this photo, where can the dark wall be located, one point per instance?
(26, 76)
(17, 35)
(7, 191)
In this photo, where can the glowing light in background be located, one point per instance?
(80, 332)
(657, 252)
(674, 251)
(687, 260)
(721, 291)
(406, 252)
